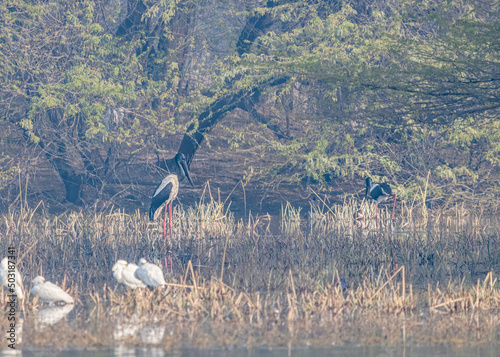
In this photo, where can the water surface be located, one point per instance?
(333, 351)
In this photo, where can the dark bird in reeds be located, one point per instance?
(378, 193)
(166, 192)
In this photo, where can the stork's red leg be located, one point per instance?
(376, 218)
(170, 225)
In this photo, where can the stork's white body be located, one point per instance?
(384, 196)
(378, 192)
(165, 193)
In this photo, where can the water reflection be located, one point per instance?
(126, 329)
(333, 351)
(148, 331)
(51, 315)
(124, 351)
(152, 334)
(11, 353)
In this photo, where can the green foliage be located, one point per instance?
(58, 58)
(8, 171)
(395, 90)
(84, 94)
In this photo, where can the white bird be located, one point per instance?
(14, 285)
(49, 292)
(124, 273)
(150, 274)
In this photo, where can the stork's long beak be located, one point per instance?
(186, 172)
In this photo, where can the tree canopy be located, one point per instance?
(396, 89)
(403, 90)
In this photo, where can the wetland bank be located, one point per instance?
(301, 281)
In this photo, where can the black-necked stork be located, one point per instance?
(165, 193)
(379, 192)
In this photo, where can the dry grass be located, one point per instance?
(269, 283)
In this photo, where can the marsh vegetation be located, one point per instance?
(318, 277)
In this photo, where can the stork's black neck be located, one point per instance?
(368, 186)
(179, 170)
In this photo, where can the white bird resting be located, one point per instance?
(124, 273)
(49, 292)
(150, 274)
(11, 282)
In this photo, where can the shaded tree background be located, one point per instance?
(102, 94)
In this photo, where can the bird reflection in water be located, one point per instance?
(51, 315)
(147, 331)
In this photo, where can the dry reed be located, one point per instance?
(242, 273)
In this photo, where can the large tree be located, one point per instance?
(397, 89)
(91, 93)
(352, 85)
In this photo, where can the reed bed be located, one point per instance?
(321, 267)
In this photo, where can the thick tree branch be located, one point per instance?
(208, 119)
